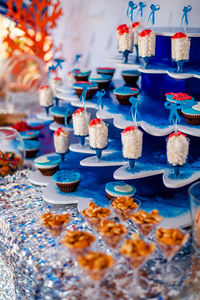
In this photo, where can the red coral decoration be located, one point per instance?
(36, 22)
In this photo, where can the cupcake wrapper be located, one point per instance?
(81, 78)
(48, 172)
(31, 153)
(124, 99)
(68, 187)
(109, 197)
(105, 73)
(89, 94)
(192, 119)
(103, 85)
(130, 79)
(61, 120)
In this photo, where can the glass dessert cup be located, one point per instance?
(194, 194)
(82, 139)
(55, 225)
(169, 273)
(123, 207)
(126, 55)
(136, 255)
(112, 234)
(98, 151)
(12, 152)
(180, 64)
(62, 155)
(146, 223)
(47, 108)
(96, 265)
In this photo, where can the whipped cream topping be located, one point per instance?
(180, 48)
(132, 142)
(61, 140)
(177, 149)
(46, 96)
(146, 43)
(125, 40)
(81, 121)
(54, 83)
(98, 134)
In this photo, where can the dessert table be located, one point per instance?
(34, 267)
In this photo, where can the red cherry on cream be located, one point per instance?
(127, 129)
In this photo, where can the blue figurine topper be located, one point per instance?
(68, 112)
(184, 18)
(154, 8)
(130, 9)
(58, 62)
(134, 108)
(99, 95)
(141, 7)
(174, 117)
(76, 60)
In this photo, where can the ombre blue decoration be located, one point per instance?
(68, 112)
(186, 10)
(130, 9)
(134, 109)
(58, 62)
(141, 7)
(174, 116)
(99, 95)
(151, 17)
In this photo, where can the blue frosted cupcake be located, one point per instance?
(178, 98)
(67, 181)
(130, 76)
(119, 189)
(81, 75)
(30, 134)
(102, 81)
(31, 148)
(124, 93)
(92, 88)
(47, 165)
(106, 71)
(192, 114)
(59, 113)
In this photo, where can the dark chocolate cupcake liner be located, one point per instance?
(48, 172)
(105, 73)
(192, 119)
(124, 99)
(68, 187)
(81, 78)
(61, 119)
(103, 85)
(89, 93)
(130, 79)
(31, 153)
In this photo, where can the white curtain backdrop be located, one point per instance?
(88, 26)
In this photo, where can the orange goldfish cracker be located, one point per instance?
(141, 217)
(95, 211)
(136, 247)
(48, 219)
(77, 239)
(124, 203)
(171, 236)
(111, 228)
(96, 261)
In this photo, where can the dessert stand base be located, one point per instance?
(86, 149)
(52, 194)
(187, 175)
(54, 126)
(36, 178)
(107, 160)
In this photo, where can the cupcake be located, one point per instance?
(30, 134)
(146, 43)
(130, 76)
(135, 27)
(178, 97)
(81, 121)
(67, 181)
(92, 88)
(60, 113)
(31, 148)
(119, 188)
(46, 96)
(102, 81)
(81, 75)
(98, 134)
(124, 93)
(177, 148)
(192, 114)
(61, 141)
(106, 71)
(47, 164)
(124, 38)
(180, 47)
(132, 142)
(54, 83)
